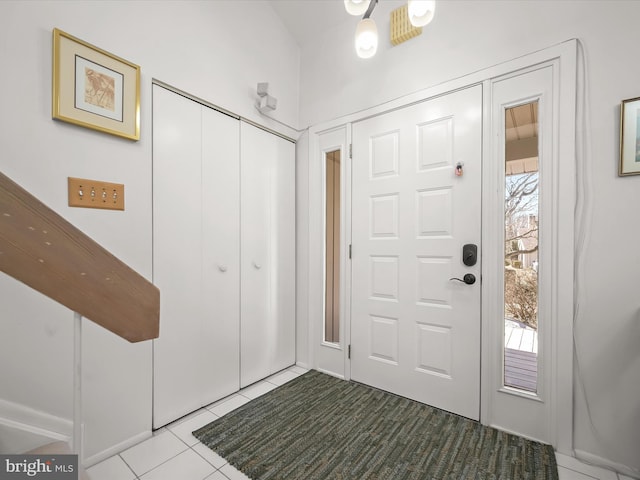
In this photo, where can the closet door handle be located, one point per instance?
(256, 265)
(222, 268)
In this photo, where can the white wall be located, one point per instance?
(215, 50)
(471, 35)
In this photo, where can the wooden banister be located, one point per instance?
(41, 249)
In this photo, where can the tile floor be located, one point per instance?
(173, 453)
(570, 468)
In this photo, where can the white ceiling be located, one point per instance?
(305, 19)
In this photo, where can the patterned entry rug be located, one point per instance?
(317, 427)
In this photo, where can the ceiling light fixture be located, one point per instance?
(421, 12)
(356, 7)
(366, 40)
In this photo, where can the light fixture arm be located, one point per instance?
(369, 11)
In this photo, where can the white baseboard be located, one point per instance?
(29, 420)
(44, 424)
(333, 374)
(513, 432)
(303, 365)
(601, 462)
(115, 449)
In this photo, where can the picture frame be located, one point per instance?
(629, 137)
(94, 88)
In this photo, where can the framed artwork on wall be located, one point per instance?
(630, 137)
(94, 88)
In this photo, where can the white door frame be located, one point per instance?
(563, 59)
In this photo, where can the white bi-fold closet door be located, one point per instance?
(268, 254)
(223, 253)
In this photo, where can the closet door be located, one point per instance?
(220, 341)
(195, 255)
(177, 254)
(283, 251)
(267, 254)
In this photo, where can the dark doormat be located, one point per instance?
(317, 427)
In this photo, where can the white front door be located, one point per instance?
(415, 332)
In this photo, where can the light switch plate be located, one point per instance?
(95, 194)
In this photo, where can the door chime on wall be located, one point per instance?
(406, 23)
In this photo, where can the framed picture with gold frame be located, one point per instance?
(94, 88)
(630, 137)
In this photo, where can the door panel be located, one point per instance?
(221, 255)
(255, 312)
(268, 254)
(283, 253)
(176, 258)
(415, 332)
(330, 357)
(195, 255)
(506, 405)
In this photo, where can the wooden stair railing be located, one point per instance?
(41, 249)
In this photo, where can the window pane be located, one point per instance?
(521, 248)
(332, 252)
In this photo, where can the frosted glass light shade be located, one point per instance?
(421, 12)
(356, 7)
(366, 38)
